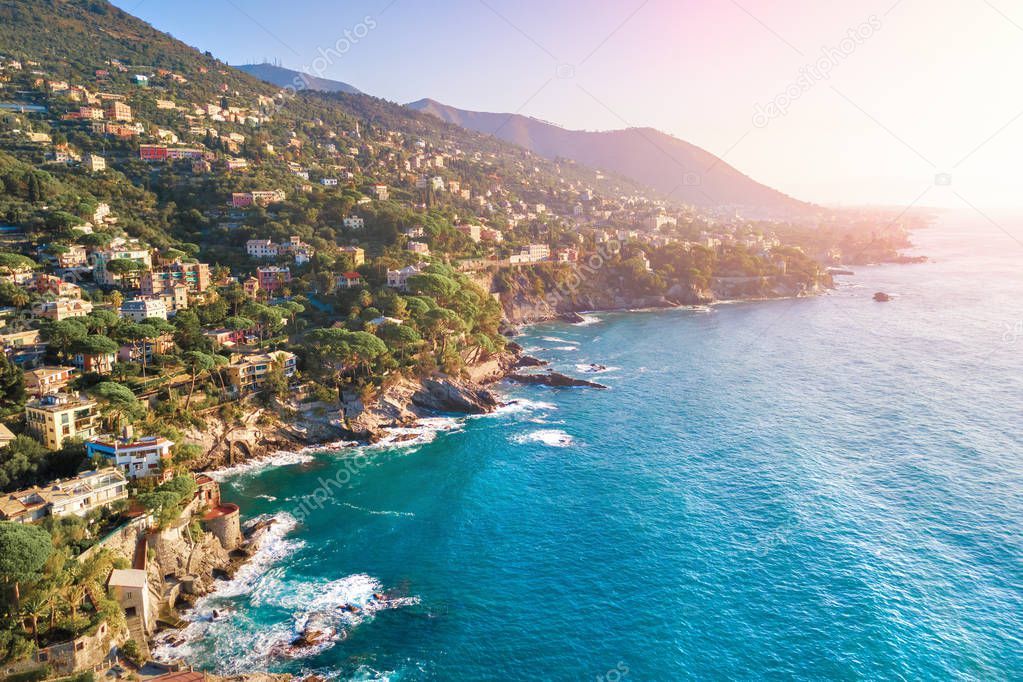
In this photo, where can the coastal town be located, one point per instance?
(187, 251)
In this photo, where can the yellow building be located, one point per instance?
(248, 372)
(54, 418)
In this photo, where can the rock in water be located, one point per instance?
(554, 379)
(573, 318)
(882, 297)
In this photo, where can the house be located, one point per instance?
(248, 372)
(136, 457)
(473, 232)
(129, 587)
(354, 222)
(6, 436)
(257, 198)
(47, 379)
(24, 348)
(398, 279)
(162, 279)
(273, 278)
(489, 234)
(146, 349)
(96, 363)
(117, 111)
(62, 309)
(78, 496)
(348, 280)
(421, 248)
(531, 253)
(94, 163)
(56, 417)
(75, 256)
(224, 338)
(141, 309)
(261, 248)
(55, 286)
(381, 192)
(251, 287)
(358, 254)
(567, 255)
(129, 251)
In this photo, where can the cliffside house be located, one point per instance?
(136, 457)
(56, 417)
(78, 495)
(248, 372)
(47, 379)
(62, 309)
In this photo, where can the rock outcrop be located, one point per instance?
(555, 379)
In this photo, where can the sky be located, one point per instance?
(890, 102)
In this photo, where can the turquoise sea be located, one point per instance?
(825, 488)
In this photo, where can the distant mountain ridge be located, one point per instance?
(284, 78)
(681, 171)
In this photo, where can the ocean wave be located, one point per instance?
(587, 320)
(425, 431)
(376, 512)
(555, 339)
(278, 459)
(519, 405)
(555, 438)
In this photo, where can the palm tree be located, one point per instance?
(33, 608)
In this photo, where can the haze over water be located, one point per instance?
(825, 487)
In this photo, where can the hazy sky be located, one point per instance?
(880, 101)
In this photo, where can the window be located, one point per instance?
(130, 611)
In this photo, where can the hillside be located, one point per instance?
(683, 172)
(288, 78)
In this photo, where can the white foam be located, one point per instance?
(278, 459)
(590, 369)
(555, 438)
(556, 339)
(272, 546)
(519, 405)
(587, 320)
(376, 512)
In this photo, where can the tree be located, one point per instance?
(197, 363)
(341, 350)
(24, 550)
(12, 388)
(121, 405)
(64, 334)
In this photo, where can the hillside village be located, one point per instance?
(181, 244)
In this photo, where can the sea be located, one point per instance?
(815, 488)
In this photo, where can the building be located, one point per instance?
(473, 232)
(422, 248)
(354, 222)
(94, 163)
(117, 111)
(136, 457)
(75, 256)
(145, 349)
(348, 280)
(357, 253)
(398, 279)
(135, 253)
(381, 192)
(261, 248)
(141, 309)
(55, 286)
(162, 279)
(62, 309)
(6, 436)
(531, 253)
(96, 363)
(272, 278)
(48, 379)
(54, 418)
(251, 287)
(78, 496)
(257, 198)
(248, 372)
(129, 587)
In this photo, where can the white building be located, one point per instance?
(140, 309)
(354, 222)
(136, 457)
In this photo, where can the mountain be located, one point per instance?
(681, 171)
(284, 78)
